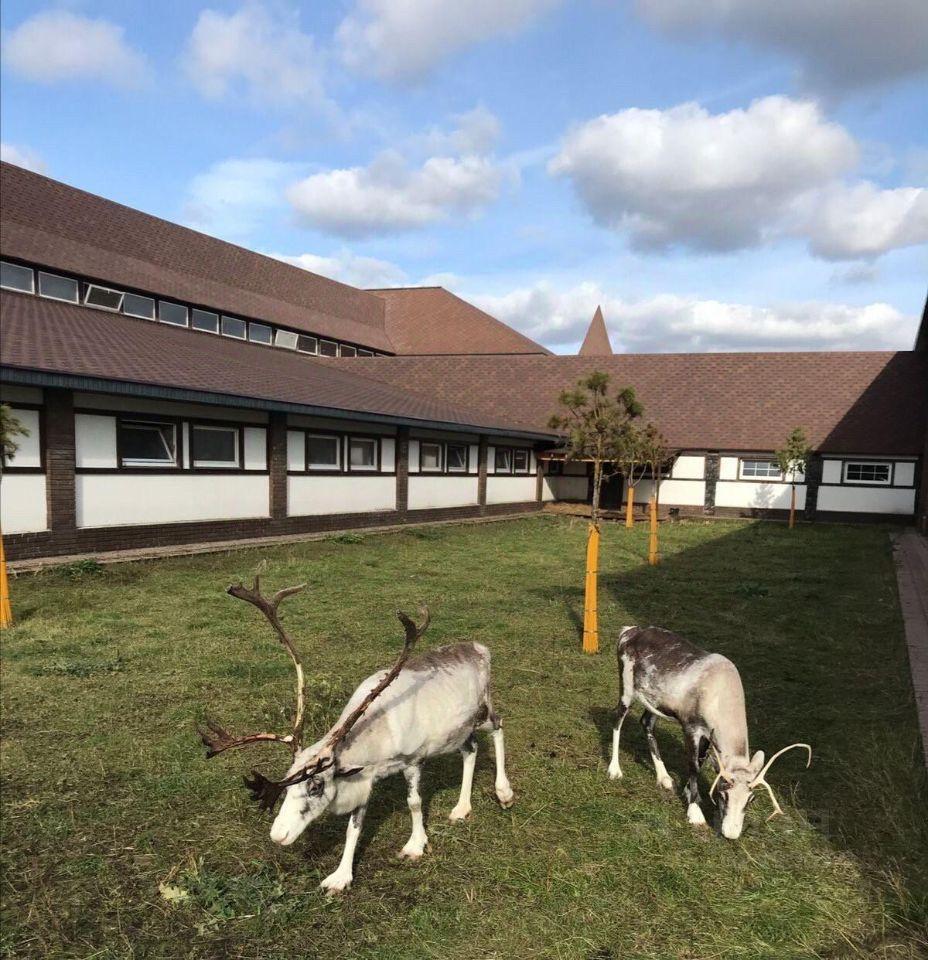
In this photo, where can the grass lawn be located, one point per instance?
(106, 793)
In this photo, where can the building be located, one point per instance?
(179, 389)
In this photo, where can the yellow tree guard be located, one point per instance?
(6, 613)
(653, 556)
(590, 621)
(630, 509)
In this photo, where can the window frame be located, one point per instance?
(133, 463)
(334, 343)
(32, 279)
(9, 466)
(528, 461)
(171, 303)
(210, 313)
(91, 285)
(496, 453)
(237, 429)
(339, 452)
(351, 439)
(58, 276)
(441, 456)
(232, 336)
(890, 473)
(279, 333)
(780, 477)
(256, 324)
(457, 471)
(140, 316)
(307, 336)
(342, 347)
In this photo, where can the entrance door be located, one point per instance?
(611, 498)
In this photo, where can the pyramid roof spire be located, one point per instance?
(596, 342)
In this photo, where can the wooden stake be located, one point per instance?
(590, 620)
(630, 509)
(653, 556)
(6, 612)
(792, 507)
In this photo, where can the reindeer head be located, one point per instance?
(310, 784)
(735, 785)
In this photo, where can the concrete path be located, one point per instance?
(910, 551)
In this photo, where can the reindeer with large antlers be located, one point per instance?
(395, 720)
(702, 691)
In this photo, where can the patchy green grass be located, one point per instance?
(120, 840)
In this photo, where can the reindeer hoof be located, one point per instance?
(665, 783)
(615, 772)
(458, 814)
(695, 816)
(506, 798)
(336, 883)
(412, 851)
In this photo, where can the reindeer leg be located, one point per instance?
(469, 753)
(697, 746)
(341, 879)
(503, 788)
(418, 840)
(648, 720)
(625, 701)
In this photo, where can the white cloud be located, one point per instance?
(671, 323)
(233, 196)
(839, 44)
(404, 40)
(349, 268)
(253, 53)
(22, 157)
(863, 221)
(475, 131)
(706, 181)
(57, 45)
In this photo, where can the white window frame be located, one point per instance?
(528, 461)
(507, 453)
(21, 266)
(362, 468)
(233, 464)
(211, 313)
(759, 478)
(464, 467)
(320, 341)
(171, 303)
(281, 335)
(142, 461)
(58, 276)
(309, 353)
(352, 351)
(252, 324)
(430, 443)
(233, 336)
(888, 482)
(141, 316)
(99, 306)
(329, 467)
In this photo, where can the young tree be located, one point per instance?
(653, 451)
(633, 467)
(597, 429)
(793, 458)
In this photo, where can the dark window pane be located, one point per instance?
(365, 353)
(868, 472)
(137, 306)
(233, 327)
(363, 453)
(16, 277)
(328, 348)
(520, 461)
(103, 297)
(204, 320)
(503, 460)
(172, 313)
(308, 344)
(322, 452)
(457, 458)
(58, 288)
(147, 444)
(347, 351)
(215, 446)
(260, 333)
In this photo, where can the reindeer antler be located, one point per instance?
(761, 779)
(215, 737)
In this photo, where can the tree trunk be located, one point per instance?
(792, 506)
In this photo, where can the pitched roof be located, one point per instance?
(596, 342)
(58, 226)
(857, 403)
(432, 320)
(63, 339)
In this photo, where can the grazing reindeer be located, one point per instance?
(435, 704)
(701, 691)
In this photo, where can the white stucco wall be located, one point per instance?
(568, 487)
(679, 493)
(23, 503)
(508, 488)
(760, 496)
(311, 496)
(255, 453)
(108, 500)
(867, 499)
(428, 492)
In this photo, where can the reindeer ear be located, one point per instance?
(757, 762)
(349, 772)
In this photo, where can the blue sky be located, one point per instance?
(718, 174)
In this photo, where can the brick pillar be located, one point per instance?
(813, 480)
(59, 460)
(277, 465)
(712, 478)
(482, 475)
(539, 480)
(402, 470)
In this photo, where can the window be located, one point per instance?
(307, 344)
(429, 457)
(214, 446)
(362, 454)
(760, 470)
(456, 455)
(136, 306)
(322, 452)
(502, 460)
(520, 460)
(286, 339)
(260, 333)
(102, 297)
(233, 327)
(172, 313)
(144, 443)
(328, 348)
(347, 351)
(57, 288)
(554, 468)
(16, 277)
(204, 320)
(868, 472)
(365, 353)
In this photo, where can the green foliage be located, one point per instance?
(347, 538)
(793, 456)
(88, 567)
(10, 428)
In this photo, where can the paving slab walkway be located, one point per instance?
(910, 552)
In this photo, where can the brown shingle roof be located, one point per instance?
(58, 226)
(847, 402)
(596, 342)
(432, 320)
(59, 338)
